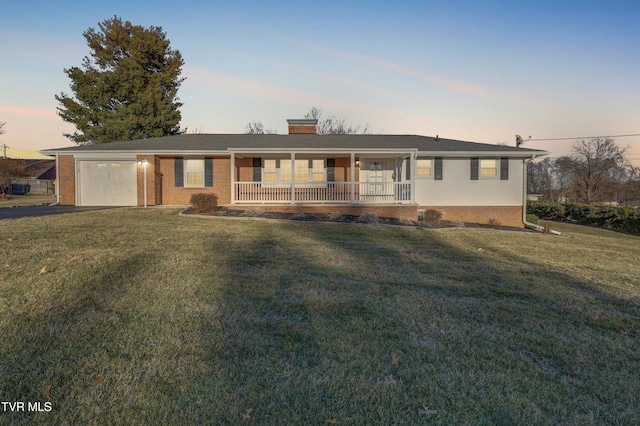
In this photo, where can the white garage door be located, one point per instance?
(108, 183)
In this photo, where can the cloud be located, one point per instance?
(457, 85)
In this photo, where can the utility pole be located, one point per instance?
(4, 146)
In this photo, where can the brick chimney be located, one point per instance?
(302, 126)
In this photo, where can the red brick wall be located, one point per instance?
(67, 180)
(503, 215)
(244, 169)
(308, 129)
(401, 211)
(172, 195)
(151, 179)
(157, 190)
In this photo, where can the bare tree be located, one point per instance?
(550, 178)
(334, 125)
(630, 189)
(10, 168)
(595, 164)
(2, 123)
(563, 179)
(257, 128)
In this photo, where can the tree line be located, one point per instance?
(596, 171)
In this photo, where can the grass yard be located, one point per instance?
(26, 200)
(143, 317)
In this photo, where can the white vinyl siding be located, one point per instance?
(456, 189)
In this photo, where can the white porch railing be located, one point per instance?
(323, 192)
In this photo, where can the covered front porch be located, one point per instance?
(307, 177)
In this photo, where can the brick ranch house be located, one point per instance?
(389, 175)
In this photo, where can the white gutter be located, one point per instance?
(524, 200)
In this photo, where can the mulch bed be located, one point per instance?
(343, 218)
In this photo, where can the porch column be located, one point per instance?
(413, 176)
(233, 178)
(293, 178)
(353, 177)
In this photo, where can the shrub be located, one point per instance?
(544, 210)
(532, 218)
(494, 222)
(257, 212)
(299, 216)
(335, 217)
(432, 216)
(632, 224)
(582, 213)
(620, 218)
(204, 203)
(367, 217)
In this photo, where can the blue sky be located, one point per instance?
(470, 70)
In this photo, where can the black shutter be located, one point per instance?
(437, 175)
(257, 172)
(208, 172)
(408, 162)
(474, 168)
(331, 169)
(178, 172)
(504, 169)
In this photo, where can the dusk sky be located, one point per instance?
(481, 71)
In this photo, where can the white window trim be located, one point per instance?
(418, 168)
(497, 169)
(186, 172)
(278, 169)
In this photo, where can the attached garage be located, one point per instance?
(107, 183)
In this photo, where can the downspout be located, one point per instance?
(524, 200)
(57, 185)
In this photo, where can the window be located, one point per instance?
(285, 171)
(269, 171)
(317, 171)
(194, 173)
(488, 168)
(423, 168)
(279, 171)
(302, 171)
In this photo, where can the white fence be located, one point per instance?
(323, 192)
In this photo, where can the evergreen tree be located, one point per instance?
(127, 89)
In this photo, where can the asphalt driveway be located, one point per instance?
(18, 212)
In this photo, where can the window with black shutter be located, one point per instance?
(208, 172)
(437, 166)
(504, 169)
(474, 168)
(331, 169)
(257, 172)
(178, 172)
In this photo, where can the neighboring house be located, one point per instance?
(40, 176)
(389, 175)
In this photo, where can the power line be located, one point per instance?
(584, 137)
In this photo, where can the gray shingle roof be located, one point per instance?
(224, 142)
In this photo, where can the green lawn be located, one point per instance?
(26, 200)
(142, 317)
